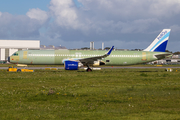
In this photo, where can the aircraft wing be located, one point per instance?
(90, 60)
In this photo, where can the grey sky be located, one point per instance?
(126, 24)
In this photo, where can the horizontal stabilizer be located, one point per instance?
(161, 56)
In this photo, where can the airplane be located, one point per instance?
(155, 51)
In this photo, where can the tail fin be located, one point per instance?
(160, 43)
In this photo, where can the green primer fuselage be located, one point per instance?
(55, 57)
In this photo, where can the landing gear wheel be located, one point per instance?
(89, 70)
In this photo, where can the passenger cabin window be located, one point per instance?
(15, 54)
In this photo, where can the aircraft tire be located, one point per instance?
(89, 70)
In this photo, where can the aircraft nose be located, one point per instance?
(8, 59)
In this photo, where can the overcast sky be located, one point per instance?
(126, 24)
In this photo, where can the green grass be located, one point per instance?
(107, 94)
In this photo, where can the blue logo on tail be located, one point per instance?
(161, 35)
(160, 45)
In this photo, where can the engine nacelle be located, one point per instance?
(71, 65)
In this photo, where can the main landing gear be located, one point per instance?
(88, 69)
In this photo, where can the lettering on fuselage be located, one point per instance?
(161, 35)
(72, 64)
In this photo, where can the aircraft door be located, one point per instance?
(144, 56)
(25, 55)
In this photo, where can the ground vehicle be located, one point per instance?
(14, 69)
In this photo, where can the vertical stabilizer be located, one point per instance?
(160, 43)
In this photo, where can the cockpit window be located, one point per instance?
(15, 54)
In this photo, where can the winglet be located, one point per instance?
(109, 52)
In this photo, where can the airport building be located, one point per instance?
(174, 59)
(8, 47)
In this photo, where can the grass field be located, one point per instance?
(107, 94)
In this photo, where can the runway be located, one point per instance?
(114, 67)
